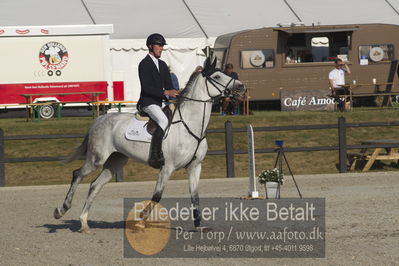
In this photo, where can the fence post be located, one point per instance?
(343, 168)
(229, 148)
(119, 175)
(2, 165)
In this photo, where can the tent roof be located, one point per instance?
(346, 12)
(135, 19)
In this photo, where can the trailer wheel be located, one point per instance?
(47, 111)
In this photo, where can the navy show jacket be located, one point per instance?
(153, 82)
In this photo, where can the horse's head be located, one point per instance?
(219, 84)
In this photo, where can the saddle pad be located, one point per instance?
(137, 131)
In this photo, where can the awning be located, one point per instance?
(315, 29)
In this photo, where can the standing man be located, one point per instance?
(229, 71)
(337, 75)
(175, 80)
(336, 79)
(155, 84)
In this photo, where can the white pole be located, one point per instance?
(252, 192)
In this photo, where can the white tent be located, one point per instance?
(182, 56)
(135, 19)
(188, 25)
(346, 12)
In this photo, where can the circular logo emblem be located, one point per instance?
(376, 54)
(53, 56)
(257, 58)
(147, 227)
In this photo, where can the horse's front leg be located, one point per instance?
(194, 172)
(163, 178)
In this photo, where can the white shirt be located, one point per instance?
(338, 77)
(155, 61)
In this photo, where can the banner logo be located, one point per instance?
(53, 56)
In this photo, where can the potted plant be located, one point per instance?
(272, 179)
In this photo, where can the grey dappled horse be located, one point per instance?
(184, 145)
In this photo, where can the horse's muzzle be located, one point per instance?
(239, 90)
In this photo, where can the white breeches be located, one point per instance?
(156, 113)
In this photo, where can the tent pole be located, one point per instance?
(386, 1)
(88, 12)
(292, 10)
(192, 14)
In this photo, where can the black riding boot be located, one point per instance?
(156, 156)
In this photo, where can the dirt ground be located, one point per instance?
(362, 221)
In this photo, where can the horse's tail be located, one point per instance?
(79, 152)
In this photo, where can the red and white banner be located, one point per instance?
(12, 93)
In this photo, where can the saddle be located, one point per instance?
(151, 124)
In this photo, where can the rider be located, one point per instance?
(155, 85)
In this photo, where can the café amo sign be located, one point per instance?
(302, 100)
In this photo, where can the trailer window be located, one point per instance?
(263, 58)
(316, 47)
(372, 54)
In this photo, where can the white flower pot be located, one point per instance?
(272, 190)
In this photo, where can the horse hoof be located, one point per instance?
(57, 213)
(85, 230)
(140, 225)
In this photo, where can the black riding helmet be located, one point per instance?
(155, 38)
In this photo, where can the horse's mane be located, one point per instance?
(188, 87)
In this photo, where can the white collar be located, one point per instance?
(153, 57)
(155, 60)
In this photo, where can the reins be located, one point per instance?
(200, 138)
(212, 81)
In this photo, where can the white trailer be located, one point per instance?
(54, 62)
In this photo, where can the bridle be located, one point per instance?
(211, 99)
(214, 83)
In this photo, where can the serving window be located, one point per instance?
(376, 53)
(257, 58)
(316, 47)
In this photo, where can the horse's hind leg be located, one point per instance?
(77, 176)
(115, 162)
